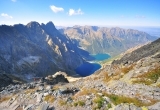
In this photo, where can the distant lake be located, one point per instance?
(87, 68)
(101, 57)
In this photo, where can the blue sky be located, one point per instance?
(81, 12)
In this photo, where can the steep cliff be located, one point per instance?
(36, 50)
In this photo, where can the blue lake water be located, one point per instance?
(87, 68)
(101, 57)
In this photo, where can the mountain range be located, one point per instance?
(37, 50)
(112, 41)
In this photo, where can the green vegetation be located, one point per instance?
(109, 106)
(80, 103)
(149, 77)
(122, 99)
(75, 104)
(99, 102)
(144, 81)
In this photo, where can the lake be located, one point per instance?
(87, 68)
(101, 57)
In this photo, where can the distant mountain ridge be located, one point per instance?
(37, 50)
(113, 41)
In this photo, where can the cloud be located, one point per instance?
(6, 16)
(75, 12)
(140, 16)
(13, 0)
(56, 9)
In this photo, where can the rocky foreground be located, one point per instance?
(133, 86)
(131, 83)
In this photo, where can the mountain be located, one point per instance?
(37, 50)
(106, 40)
(152, 48)
(134, 85)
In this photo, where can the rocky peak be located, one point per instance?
(50, 24)
(33, 24)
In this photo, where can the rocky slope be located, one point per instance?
(37, 50)
(145, 51)
(118, 86)
(106, 40)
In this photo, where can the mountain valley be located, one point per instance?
(38, 62)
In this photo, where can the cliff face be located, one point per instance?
(36, 50)
(106, 40)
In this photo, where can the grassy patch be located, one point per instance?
(99, 101)
(122, 99)
(29, 91)
(149, 77)
(144, 81)
(5, 98)
(109, 106)
(158, 85)
(106, 77)
(49, 98)
(79, 103)
(86, 91)
(62, 102)
(75, 104)
(127, 69)
(55, 87)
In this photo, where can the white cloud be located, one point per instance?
(13, 0)
(6, 16)
(75, 12)
(56, 9)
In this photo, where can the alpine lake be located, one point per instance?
(90, 67)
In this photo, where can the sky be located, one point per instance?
(81, 12)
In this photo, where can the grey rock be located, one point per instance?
(88, 102)
(28, 107)
(41, 88)
(156, 106)
(69, 100)
(126, 107)
(45, 94)
(39, 97)
(43, 106)
(49, 87)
